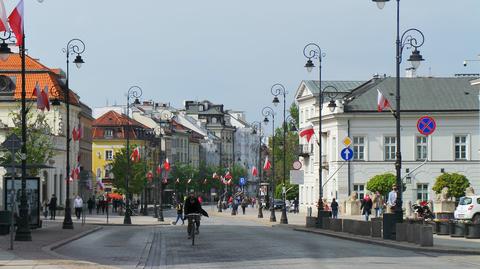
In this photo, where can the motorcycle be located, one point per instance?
(423, 210)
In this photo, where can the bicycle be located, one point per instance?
(191, 227)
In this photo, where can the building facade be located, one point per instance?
(453, 147)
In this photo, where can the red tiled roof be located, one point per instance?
(114, 119)
(35, 72)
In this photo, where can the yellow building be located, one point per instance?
(109, 137)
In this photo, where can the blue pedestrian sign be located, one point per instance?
(426, 125)
(242, 181)
(347, 154)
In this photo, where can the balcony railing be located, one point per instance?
(305, 150)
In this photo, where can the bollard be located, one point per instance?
(426, 236)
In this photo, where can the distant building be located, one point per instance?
(454, 147)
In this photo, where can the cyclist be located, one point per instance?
(192, 206)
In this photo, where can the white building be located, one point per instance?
(453, 147)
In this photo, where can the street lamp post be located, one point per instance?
(133, 92)
(276, 90)
(74, 46)
(167, 119)
(269, 112)
(257, 125)
(406, 40)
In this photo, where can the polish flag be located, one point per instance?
(205, 181)
(165, 180)
(309, 132)
(159, 169)
(16, 22)
(215, 175)
(382, 102)
(254, 171)
(3, 18)
(38, 93)
(177, 181)
(135, 156)
(166, 165)
(79, 131)
(228, 175)
(189, 180)
(74, 134)
(267, 164)
(229, 182)
(45, 99)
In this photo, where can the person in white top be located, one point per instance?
(78, 204)
(392, 198)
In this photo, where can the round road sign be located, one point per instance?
(297, 165)
(426, 125)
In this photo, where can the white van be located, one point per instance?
(469, 209)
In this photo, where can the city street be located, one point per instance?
(230, 242)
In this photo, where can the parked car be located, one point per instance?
(468, 209)
(278, 204)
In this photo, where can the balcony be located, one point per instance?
(305, 150)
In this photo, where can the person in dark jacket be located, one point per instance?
(90, 205)
(192, 206)
(334, 207)
(366, 206)
(52, 206)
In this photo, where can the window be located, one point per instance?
(460, 147)
(108, 133)
(360, 189)
(389, 147)
(108, 155)
(422, 192)
(421, 147)
(311, 195)
(358, 148)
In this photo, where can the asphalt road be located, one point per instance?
(226, 242)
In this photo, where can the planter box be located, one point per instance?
(401, 231)
(348, 226)
(442, 228)
(472, 231)
(433, 225)
(363, 228)
(457, 229)
(326, 223)
(336, 225)
(311, 222)
(426, 236)
(377, 228)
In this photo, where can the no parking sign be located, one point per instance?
(426, 125)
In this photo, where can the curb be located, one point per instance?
(134, 225)
(50, 248)
(391, 244)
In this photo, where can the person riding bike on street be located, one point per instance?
(193, 206)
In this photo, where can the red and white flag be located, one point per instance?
(308, 133)
(215, 175)
(164, 180)
(3, 18)
(267, 164)
(205, 181)
(135, 156)
(228, 175)
(229, 182)
(16, 22)
(189, 180)
(166, 165)
(177, 181)
(382, 102)
(45, 99)
(79, 131)
(38, 93)
(159, 169)
(254, 171)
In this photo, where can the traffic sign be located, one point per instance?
(347, 154)
(426, 125)
(347, 141)
(242, 181)
(297, 165)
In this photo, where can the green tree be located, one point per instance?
(382, 183)
(39, 138)
(137, 172)
(292, 191)
(456, 183)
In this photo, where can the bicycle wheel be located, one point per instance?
(193, 233)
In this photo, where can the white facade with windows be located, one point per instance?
(453, 147)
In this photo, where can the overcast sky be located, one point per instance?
(231, 52)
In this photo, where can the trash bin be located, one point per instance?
(5, 217)
(389, 220)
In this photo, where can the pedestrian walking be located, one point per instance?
(244, 205)
(90, 205)
(52, 206)
(179, 209)
(45, 208)
(98, 205)
(295, 205)
(366, 206)
(378, 204)
(78, 204)
(334, 207)
(392, 199)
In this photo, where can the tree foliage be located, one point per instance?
(456, 183)
(382, 183)
(137, 172)
(292, 191)
(39, 139)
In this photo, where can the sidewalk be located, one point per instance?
(444, 244)
(39, 253)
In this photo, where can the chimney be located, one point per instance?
(410, 72)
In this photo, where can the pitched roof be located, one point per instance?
(35, 72)
(418, 94)
(341, 85)
(112, 118)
